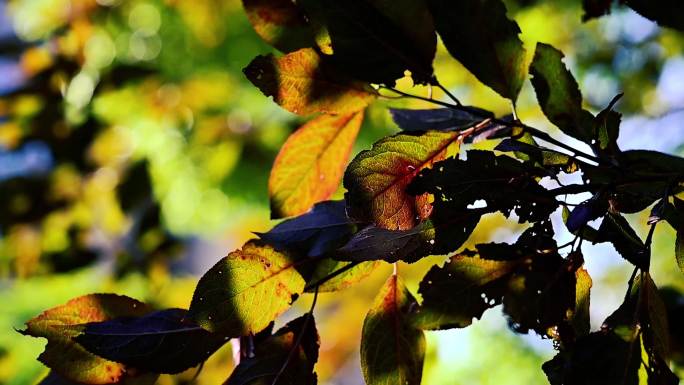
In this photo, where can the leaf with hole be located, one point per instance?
(377, 178)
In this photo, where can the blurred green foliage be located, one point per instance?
(159, 153)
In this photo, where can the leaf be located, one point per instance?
(461, 290)
(296, 344)
(392, 350)
(310, 165)
(315, 233)
(550, 159)
(480, 36)
(585, 212)
(607, 130)
(559, 95)
(377, 40)
(160, 342)
(246, 290)
(616, 230)
(667, 13)
(432, 237)
(60, 324)
(595, 8)
(439, 119)
(580, 319)
(303, 83)
(280, 23)
(504, 183)
(679, 249)
(53, 378)
(377, 178)
(601, 358)
(344, 280)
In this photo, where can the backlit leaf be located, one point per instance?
(559, 95)
(480, 36)
(280, 23)
(161, 342)
(377, 178)
(679, 249)
(322, 229)
(580, 316)
(377, 40)
(60, 324)
(303, 83)
(392, 350)
(343, 280)
(310, 165)
(246, 290)
(295, 344)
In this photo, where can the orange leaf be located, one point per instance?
(310, 164)
(302, 83)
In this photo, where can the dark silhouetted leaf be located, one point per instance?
(607, 130)
(595, 8)
(60, 324)
(322, 229)
(377, 178)
(439, 119)
(667, 13)
(161, 342)
(480, 36)
(461, 290)
(547, 158)
(296, 344)
(431, 237)
(310, 165)
(585, 212)
(377, 40)
(504, 183)
(280, 23)
(559, 95)
(303, 83)
(601, 358)
(616, 230)
(392, 349)
(246, 290)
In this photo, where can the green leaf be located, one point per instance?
(579, 318)
(377, 40)
(480, 36)
(62, 323)
(679, 249)
(461, 290)
(343, 280)
(559, 95)
(246, 290)
(392, 350)
(303, 83)
(310, 165)
(296, 344)
(280, 23)
(377, 178)
(607, 130)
